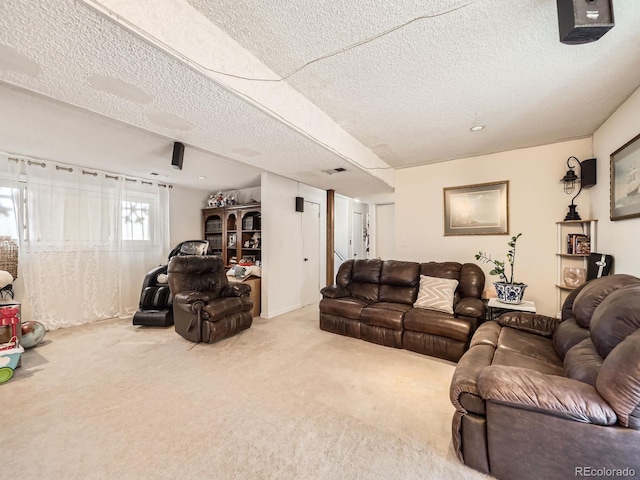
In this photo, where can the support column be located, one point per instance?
(330, 235)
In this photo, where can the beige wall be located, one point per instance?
(185, 214)
(536, 203)
(616, 238)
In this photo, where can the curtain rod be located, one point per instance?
(17, 158)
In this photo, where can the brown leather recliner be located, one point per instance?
(206, 308)
(540, 397)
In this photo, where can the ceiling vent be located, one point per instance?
(331, 171)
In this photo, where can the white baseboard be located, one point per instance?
(277, 313)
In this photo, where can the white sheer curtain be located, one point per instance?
(8, 196)
(88, 241)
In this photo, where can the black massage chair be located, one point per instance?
(155, 309)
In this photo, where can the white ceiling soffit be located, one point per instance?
(71, 53)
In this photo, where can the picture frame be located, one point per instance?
(480, 209)
(625, 181)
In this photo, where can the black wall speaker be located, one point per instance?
(584, 21)
(588, 172)
(178, 155)
(299, 204)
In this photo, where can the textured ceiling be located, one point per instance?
(142, 71)
(412, 95)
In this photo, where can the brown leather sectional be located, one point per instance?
(373, 300)
(539, 397)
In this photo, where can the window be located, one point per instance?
(8, 226)
(135, 221)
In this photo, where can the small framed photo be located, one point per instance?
(232, 240)
(625, 181)
(481, 209)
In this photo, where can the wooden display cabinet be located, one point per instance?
(234, 231)
(212, 229)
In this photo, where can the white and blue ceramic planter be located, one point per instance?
(510, 292)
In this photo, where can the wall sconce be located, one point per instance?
(587, 178)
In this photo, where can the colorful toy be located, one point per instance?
(11, 351)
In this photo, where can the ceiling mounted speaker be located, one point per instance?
(584, 21)
(178, 155)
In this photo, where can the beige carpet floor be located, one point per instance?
(282, 400)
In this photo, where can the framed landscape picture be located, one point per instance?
(625, 181)
(481, 209)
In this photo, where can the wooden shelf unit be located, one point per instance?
(565, 259)
(228, 229)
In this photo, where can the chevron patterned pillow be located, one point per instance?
(436, 294)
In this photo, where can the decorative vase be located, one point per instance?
(574, 276)
(510, 292)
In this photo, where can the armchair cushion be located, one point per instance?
(594, 293)
(567, 335)
(487, 334)
(616, 318)
(550, 394)
(583, 362)
(619, 381)
(223, 307)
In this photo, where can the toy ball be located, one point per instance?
(32, 334)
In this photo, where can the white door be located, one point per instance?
(358, 235)
(311, 253)
(385, 231)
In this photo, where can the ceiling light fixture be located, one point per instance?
(201, 177)
(477, 128)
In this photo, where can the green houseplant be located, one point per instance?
(507, 290)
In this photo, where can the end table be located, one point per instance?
(497, 308)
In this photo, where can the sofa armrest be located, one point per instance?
(236, 290)
(470, 307)
(530, 322)
(335, 291)
(549, 394)
(465, 376)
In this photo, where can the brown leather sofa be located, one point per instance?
(373, 300)
(206, 308)
(539, 397)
